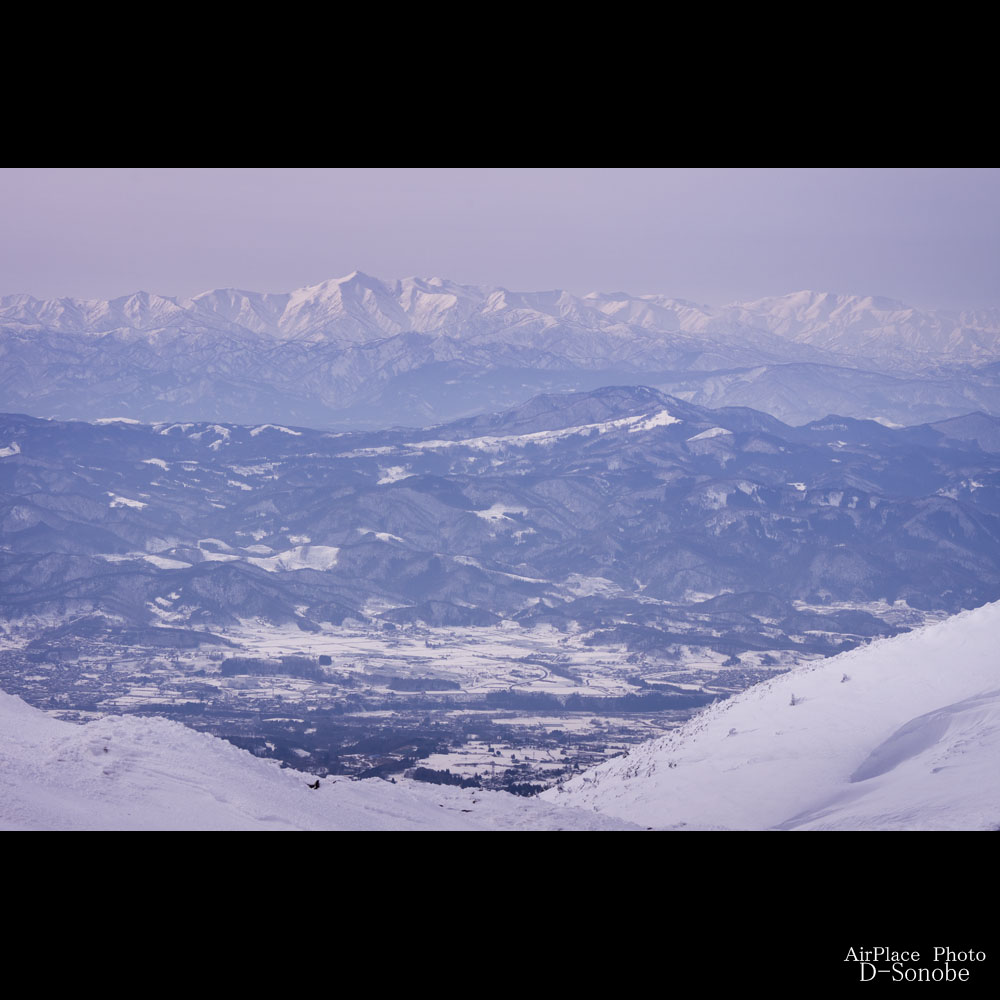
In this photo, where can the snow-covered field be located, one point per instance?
(479, 659)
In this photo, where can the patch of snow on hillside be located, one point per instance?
(715, 497)
(393, 474)
(117, 501)
(382, 536)
(499, 512)
(591, 586)
(254, 470)
(217, 542)
(12, 449)
(643, 422)
(315, 557)
(471, 561)
(662, 419)
(224, 437)
(162, 562)
(710, 433)
(274, 427)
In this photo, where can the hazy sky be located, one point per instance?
(929, 237)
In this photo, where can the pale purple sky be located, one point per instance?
(928, 237)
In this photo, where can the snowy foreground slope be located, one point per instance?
(131, 773)
(910, 740)
(901, 734)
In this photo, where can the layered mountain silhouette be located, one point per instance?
(597, 508)
(358, 351)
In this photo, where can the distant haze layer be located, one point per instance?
(929, 236)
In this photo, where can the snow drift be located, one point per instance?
(134, 773)
(901, 734)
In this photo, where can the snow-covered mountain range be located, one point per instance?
(360, 351)
(518, 514)
(901, 734)
(359, 309)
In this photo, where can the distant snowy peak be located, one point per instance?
(358, 308)
(356, 304)
(140, 311)
(851, 324)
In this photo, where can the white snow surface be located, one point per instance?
(910, 740)
(495, 443)
(136, 773)
(12, 449)
(499, 512)
(318, 557)
(358, 310)
(117, 501)
(160, 562)
(710, 433)
(274, 427)
(393, 474)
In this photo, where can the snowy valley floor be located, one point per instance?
(134, 773)
(901, 734)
